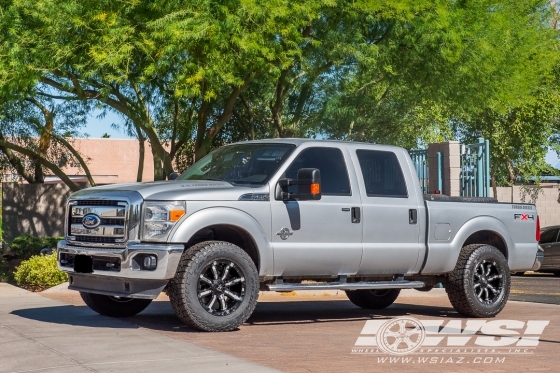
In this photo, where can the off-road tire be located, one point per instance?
(461, 284)
(113, 306)
(184, 287)
(373, 299)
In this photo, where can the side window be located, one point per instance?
(382, 174)
(549, 236)
(330, 161)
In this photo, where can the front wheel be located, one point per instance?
(216, 287)
(480, 283)
(373, 299)
(114, 306)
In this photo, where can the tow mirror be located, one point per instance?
(308, 186)
(174, 175)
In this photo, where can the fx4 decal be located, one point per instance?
(523, 217)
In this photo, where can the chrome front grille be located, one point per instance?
(101, 202)
(95, 239)
(108, 219)
(104, 221)
(111, 215)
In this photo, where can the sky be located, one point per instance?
(96, 127)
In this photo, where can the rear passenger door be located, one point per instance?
(390, 214)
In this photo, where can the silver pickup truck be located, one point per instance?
(290, 214)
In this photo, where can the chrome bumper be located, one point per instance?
(538, 260)
(168, 257)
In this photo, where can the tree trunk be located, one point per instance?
(141, 152)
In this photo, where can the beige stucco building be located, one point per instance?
(111, 161)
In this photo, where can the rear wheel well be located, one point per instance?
(490, 238)
(231, 234)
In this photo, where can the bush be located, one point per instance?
(26, 246)
(39, 273)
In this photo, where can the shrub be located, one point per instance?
(25, 246)
(39, 273)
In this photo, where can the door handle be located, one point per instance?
(356, 215)
(412, 216)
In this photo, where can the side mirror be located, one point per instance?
(174, 175)
(308, 186)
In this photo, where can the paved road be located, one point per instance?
(536, 287)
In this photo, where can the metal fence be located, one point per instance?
(420, 161)
(475, 169)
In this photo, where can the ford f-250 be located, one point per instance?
(290, 214)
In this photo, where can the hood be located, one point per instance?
(185, 190)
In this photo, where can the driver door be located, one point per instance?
(318, 237)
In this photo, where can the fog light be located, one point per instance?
(149, 262)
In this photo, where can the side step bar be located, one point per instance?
(348, 285)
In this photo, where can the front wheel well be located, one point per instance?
(228, 233)
(489, 238)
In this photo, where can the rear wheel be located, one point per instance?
(373, 299)
(480, 283)
(114, 306)
(216, 287)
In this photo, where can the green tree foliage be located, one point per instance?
(519, 137)
(188, 76)
(35, 134)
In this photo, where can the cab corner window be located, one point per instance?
(331, 164)
(382, 174)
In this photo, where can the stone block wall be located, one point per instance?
(451, 159)
(546, 200)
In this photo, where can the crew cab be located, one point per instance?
(290, 214)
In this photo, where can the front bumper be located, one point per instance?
(538, 260)
(127, 280)
(168, 256)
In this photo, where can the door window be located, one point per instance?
(330, 162)
(382, 174)
(549, 236)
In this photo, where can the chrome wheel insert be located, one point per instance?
(488, 282)
(221, 287)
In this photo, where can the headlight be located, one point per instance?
(160, 217)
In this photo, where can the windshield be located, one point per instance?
(240, 164)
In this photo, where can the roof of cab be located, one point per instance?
(300, 141)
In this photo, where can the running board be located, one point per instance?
(348, 285)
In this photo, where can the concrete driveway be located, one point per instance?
(38, 334)
(291, 333)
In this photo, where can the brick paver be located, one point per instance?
(318, 333)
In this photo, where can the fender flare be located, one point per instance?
(191, 224)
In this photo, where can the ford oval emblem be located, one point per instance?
(91, 221)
